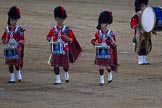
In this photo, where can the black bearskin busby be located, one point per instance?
(60, 12)
(13, 13)
(138, 3)
(104, 17)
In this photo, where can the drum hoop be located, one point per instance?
(106, 47)
(154, 20)
(56, 42)
(53, 42)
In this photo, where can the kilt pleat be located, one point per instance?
(103, 61)
(60, 60)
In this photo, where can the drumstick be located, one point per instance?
(49, 60)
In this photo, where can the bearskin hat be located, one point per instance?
(104, 17)
(13, 13)
(60, 12)
(138, 3)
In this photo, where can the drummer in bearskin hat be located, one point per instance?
(142, 39)
(106, 47)
(69, 48)
(13, 37)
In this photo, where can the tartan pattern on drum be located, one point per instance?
(60, 60)
(103, 61)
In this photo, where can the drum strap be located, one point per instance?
(12, 40)
(104, 37)
(12, 32)
(59, 31)
(63, 29)
(109, 33)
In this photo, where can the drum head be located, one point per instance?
(148, 19)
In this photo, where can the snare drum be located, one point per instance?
(10, 53)
(102, 52)
(151, 19)
(57, 47)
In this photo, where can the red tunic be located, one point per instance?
(60, 59)
(134, 22)
(98, 39)
(18, 35)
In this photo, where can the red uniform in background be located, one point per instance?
(141, 39)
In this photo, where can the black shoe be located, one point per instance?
(101, 84)
(19, 80)
(57, 83)
(142, 64)
(109, 81)
(67, 81)
(146, 63)
(11, 81)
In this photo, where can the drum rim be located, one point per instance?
(99, 46)
(154, 19)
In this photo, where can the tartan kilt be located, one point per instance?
(60, 60)
(18, 61)
(103, 61)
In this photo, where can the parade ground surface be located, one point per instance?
(134, 86)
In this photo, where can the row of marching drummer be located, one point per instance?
(65, 48)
